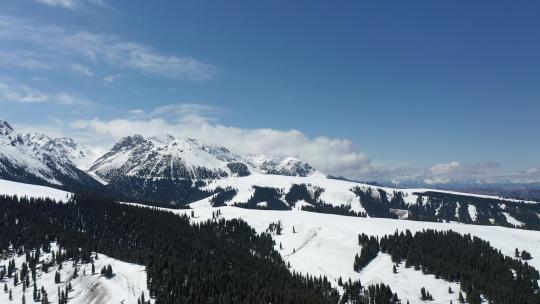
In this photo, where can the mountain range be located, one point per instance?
(168, 171)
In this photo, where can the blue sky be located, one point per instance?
(389, 86)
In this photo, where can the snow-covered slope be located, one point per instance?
(336, 192)
(20, 189)
(126, 286)
(37, 158)
(325, 244)
(416, 204)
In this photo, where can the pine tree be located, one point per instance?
(450, 289)
(10, 294)
(394, 270)
(109, 272)
(57, 278)
(93, 268)
(23, 300)
(461, 299)
(525, 255)
(5, 288)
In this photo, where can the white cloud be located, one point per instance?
(56, 43)
(454, 172)
(21, 93)
(73, 4)
(67, 99)
(443, 169)
(190, 113)
(22, 59)
(112, 78)
(101, 3)
(533, 171)
(136, 112)
(84, 70)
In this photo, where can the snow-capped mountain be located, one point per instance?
(288, 166)
(168, 169)
(171, 158)
(40, 159)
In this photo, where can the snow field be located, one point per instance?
(326, 244)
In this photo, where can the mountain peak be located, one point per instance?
(5, 128)
(290, 166)
(165, 138)
(128, 142)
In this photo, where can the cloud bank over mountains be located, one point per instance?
(335, 156)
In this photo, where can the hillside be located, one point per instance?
(126, 285)
(325, 244)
